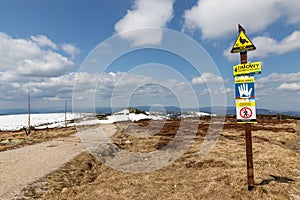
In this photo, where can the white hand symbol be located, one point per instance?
(244, 93)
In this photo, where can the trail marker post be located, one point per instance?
(65, 113)
(28, 131)
(245, 98)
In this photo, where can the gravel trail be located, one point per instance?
(19, 167)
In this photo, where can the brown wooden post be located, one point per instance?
(28, 128)
(250, 168)
(65, 113)
(248, 134)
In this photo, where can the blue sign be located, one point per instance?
(244, 90)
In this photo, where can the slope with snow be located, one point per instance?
(125, 115)
(53, 120)
(45, 120)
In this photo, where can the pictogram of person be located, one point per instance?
(245, 112)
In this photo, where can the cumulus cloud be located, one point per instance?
(117, 89)
(50, 88)
(278, 91)
(122, 84)
(42, 41)
(290, 86)
(215, 91)
(145, 14)
(71, 49)
(62, 86)
(52, 64)
(207, 78)
(217, 18)
(279, 84)
(291, 10)
(28, 58)
(229, 91)
(276, 77)
(26, 66)
(266, 46)
(34, 65)
(14, 51)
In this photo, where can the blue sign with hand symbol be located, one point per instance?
(244, 90)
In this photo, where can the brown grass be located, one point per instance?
(220, 175)
(36, 136)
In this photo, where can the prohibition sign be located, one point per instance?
(246, 112)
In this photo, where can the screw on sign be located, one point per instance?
(246, 113)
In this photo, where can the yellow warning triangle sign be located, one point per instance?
(242, 43)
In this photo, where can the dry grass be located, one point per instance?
(36, 136)
(220, 175)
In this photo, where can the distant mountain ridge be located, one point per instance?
(32, 110)
(230, 110)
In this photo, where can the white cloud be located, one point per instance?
(287, 82)
(71, 49)
(218, 18)
(275, 77)
(51, 64)
(266, 46)
(279, 85)
(145, 14)
(33, 65)
(208, 91)
(42, 41)
(59, 87)
(229, 91)
(291, 9)
(28, 58)
(278, 91)
(14, 51)
(119, 88)
(206, 78)
(290, 86)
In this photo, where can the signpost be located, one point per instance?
(28, 131)
(246, 113)
(244, 94)
(242, 43)
(248, 68)
(245, 99)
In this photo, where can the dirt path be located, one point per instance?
(21, 166)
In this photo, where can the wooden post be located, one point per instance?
(65, 113)
(28, 128)
(249, 154)
(248, 134)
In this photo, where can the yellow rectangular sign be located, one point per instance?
(243, 79)
(244, 103)
(248, 68)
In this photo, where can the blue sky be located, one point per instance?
(46, 45)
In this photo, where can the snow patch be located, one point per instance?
(38, 121)
(54, 120)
